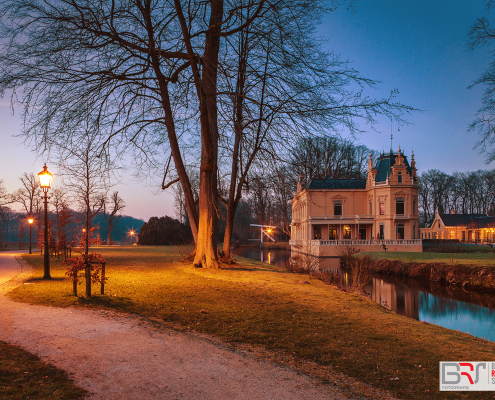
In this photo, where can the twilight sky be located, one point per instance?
(417, 47)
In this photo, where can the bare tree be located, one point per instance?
(29, 194)
(482, 34)
(5, 197)
(136, 69)
(86, 171)
(116, 205)
(64, 215)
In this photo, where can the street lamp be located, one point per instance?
(30, 220)
(45, 182)
(132, 236)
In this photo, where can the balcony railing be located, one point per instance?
(402, 216)
(336, 217)
(373, 242)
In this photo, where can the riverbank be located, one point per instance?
(289, 318)
(464, 270)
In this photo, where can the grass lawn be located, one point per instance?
(25, 376)
(480, 259)
(296, 317)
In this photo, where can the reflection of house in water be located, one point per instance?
(395, 297)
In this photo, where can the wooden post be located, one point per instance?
(102, 282)
(88, 279)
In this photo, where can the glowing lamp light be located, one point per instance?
(30, 220)
(45, 179)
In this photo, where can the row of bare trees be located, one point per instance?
(270, 185)
(79, 189)
(462, 193)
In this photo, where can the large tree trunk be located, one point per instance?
(229, 230)
(109, 237)
(86, 250)
(174, 147)
(206, 247)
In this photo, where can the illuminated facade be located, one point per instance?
(377, 211)
(464, 227)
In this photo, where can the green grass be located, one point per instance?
(257, 304)
(480, 259)
(25, 376)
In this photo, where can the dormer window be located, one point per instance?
(399, 177)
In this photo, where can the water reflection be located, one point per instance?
(271, 256)
(451, 307)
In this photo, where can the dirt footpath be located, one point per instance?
(121, 357)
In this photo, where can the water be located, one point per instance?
(470, 311)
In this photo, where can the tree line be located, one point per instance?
(461, 192)
(67, 216)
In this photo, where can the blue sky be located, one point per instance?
(417, 47)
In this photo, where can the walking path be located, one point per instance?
(116, 356)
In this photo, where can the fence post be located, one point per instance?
(102, 281)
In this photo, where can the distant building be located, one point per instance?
(464, 227)
(381, 210)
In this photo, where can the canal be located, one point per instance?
(470, 311)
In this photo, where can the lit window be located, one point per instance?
(332, 232)
(317, 232)
(347, 232)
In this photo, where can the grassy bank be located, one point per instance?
(299, 319)
(466, 270)
(25, 376)
(480, 259)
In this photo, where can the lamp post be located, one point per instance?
(30, 220)
(132, 236)
(45, 182)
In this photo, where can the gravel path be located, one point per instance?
(122, 357)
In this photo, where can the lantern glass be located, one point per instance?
(45, 178)
(30, 220)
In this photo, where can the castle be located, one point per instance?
(373, 214)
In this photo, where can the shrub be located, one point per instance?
(164, 231)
